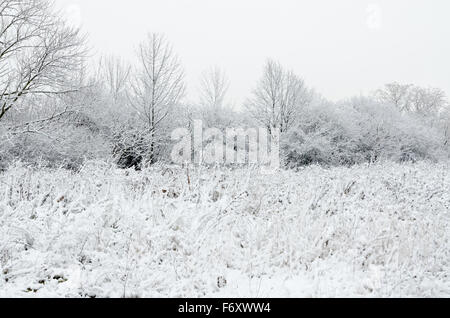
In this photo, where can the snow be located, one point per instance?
(367, 231)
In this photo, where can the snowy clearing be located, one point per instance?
(367, 231)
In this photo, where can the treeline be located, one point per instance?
(57, 111)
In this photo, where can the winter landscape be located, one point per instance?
(119, 178)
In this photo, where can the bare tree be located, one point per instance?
(296, 98)
(38, 53)
(413, 99)
(395, 94)
(157, 86)
(116, 74)
(214, 87)
(279, 98)
(427, 101)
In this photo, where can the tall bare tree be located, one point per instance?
(214, 86)
(279, 98)
(157, 86)
(116, 74)
(38, 53)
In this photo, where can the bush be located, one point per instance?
(67, 147)
(358, 131)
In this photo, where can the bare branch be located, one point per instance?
(38, 53)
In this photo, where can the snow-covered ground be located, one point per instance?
(367, 231)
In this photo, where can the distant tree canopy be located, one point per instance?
(413, 99)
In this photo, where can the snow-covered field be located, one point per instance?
(364, 231)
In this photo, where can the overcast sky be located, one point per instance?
(341, 48)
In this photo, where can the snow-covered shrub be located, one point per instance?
(361, 130)
(66, 147)
(378, 231)
(130, 148)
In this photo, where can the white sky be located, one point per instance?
(341, 48)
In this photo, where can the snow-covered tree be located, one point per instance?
(395, 94)
(413, 99)
(279, 98)
(116, 75)
(157, 86)
(38, 52)
(427, 101)
(214, 86)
